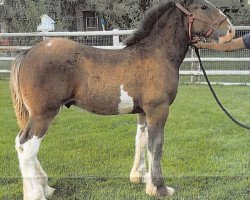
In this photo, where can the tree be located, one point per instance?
(24, 15)
(237, 10)
(240, 18)
(123, 14)
(228, 3)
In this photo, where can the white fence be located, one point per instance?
(224, 68)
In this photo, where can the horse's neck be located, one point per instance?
(171, 44)
(175, 47)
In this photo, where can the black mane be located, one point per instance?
(150, 19)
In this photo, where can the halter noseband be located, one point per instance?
(192, 16)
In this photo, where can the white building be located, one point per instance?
(47, 24)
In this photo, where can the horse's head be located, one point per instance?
(205, 20)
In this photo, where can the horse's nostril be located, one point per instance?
(231, 30)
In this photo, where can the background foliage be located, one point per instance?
(237, 10)
(24, 15)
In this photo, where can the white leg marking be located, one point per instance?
(48, 191)
(150, 160)
(150, 188)
(138, 173)
(34, 178)
(126, 104)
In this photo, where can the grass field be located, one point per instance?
(89, 157)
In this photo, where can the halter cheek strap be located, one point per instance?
(192, 17)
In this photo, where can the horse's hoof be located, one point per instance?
(48, 192)
(135, 177)
(34, 197)
(162, 191)
(166, 191)
(138, 177)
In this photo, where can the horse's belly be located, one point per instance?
(101, 106)
(108, 102)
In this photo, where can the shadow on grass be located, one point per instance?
(69, 187)
(120, 188)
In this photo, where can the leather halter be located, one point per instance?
(214, 24)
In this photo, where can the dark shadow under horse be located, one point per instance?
(141, 78)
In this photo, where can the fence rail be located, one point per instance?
(224, 68)
(114, 32)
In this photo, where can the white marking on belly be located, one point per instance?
(126, 104)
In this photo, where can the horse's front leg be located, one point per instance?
(156, 118)
(138, 172)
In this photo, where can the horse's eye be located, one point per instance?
(203, 7)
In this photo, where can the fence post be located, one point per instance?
(116, 39)
(45, 37)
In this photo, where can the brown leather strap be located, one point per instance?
(183, 9)
(214, 26)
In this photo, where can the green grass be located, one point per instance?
(89, 157)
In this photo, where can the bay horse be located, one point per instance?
(140, 79)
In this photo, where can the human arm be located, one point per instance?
(234, 45)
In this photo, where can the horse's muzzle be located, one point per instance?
(228, 37)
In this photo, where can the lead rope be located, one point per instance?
(215, 96)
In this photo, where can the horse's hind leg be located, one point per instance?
(138, 172)
(35, 180)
